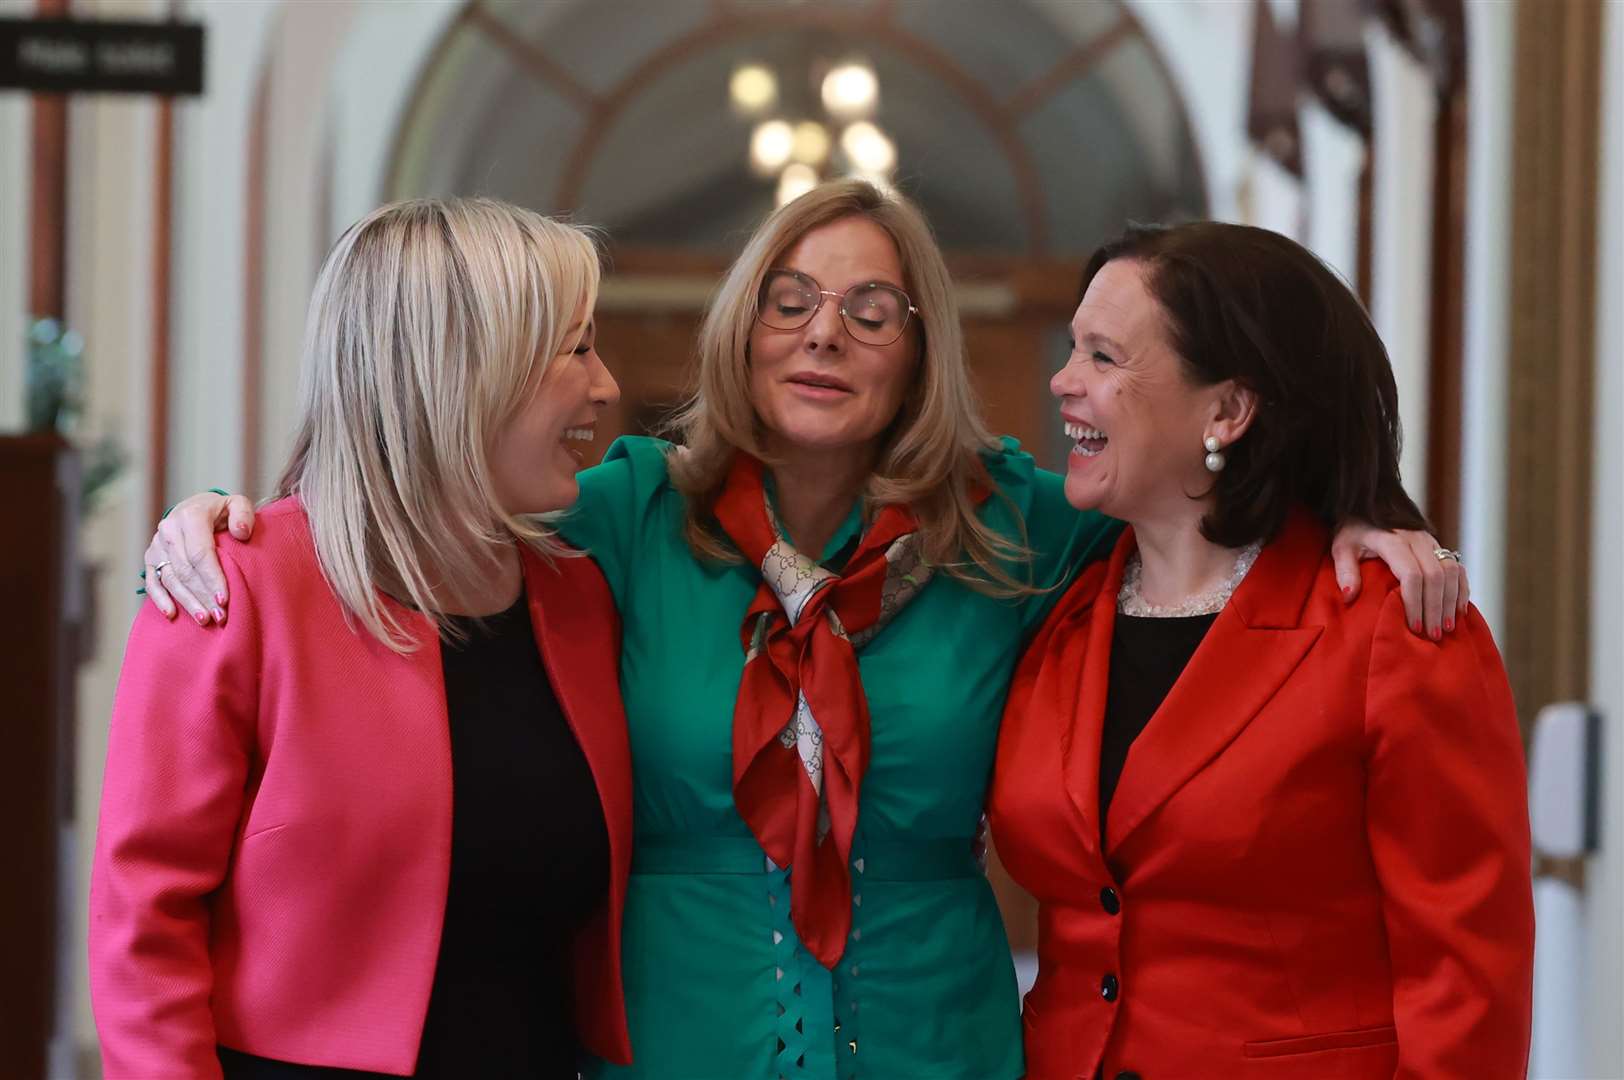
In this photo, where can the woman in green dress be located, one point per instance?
(823, 595)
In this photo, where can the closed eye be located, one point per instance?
(1100, 358)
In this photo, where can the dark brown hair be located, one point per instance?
(1247, 304)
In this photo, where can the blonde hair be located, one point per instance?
(931, 459)
(429, 319)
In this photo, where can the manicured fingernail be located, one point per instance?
(1449, 624)
(201, 619)
(220, 598)
(1436, 635)
(1347, 592)
(219, 616)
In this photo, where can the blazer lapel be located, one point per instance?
(576, 631)
(1253, 647)
(578, 635)
(1082, 686)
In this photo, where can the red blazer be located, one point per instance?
(275, 838)
(1317, 855)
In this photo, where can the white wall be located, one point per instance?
(1405, 108)
(210, 216)
(381, 59)
(1602, 987)
(1490, 33)
(1207, 46)
(1333, 160)
(16, 131)
(1275, 199)
(308, 40)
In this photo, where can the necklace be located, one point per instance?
(1131, 601)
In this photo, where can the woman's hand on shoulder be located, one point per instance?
(1435, 590)
(181, 565)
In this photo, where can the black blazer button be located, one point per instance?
(1109, 988)
(1127, 1076)
(1110, 901)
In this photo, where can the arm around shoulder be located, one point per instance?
(1447, 818)
(1062, 540)
(613, 509)
(180, 743)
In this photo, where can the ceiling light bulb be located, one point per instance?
(869, 149)
(811, 143)
(850, 90)
(753, 89)
(770, 146)
(796, 180)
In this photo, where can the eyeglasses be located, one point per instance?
(873, 312)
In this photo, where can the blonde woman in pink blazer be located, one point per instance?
(379, 822)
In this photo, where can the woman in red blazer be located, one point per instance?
(1271, 834)
(380, 820)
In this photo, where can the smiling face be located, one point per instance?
(537, 453)
(816, 388)
(1138, 419)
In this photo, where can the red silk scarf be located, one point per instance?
(800, 723)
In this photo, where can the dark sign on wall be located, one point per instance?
(74, 55)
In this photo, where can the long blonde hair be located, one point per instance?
(428, 320)
(931, 459)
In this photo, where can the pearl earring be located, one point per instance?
(1215, 460)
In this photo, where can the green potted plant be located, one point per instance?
(56, 403)
(56, 379)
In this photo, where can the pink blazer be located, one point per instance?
(275, 838)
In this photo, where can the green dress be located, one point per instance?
(717, 984)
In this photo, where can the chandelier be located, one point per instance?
(800, 151)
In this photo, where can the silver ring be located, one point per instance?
(1444, 554)
(157, 571)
